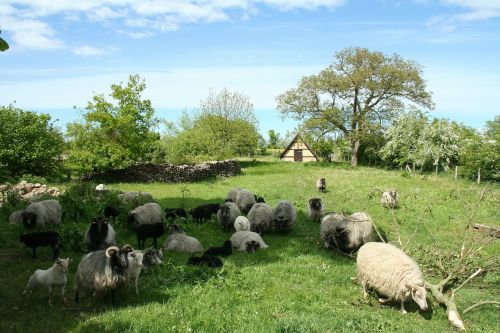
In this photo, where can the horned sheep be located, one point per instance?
(54, 276)
(260, 218)
(42, 213)
(392, 273)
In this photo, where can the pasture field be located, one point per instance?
(296, 285)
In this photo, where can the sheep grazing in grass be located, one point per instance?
(16, 217)
(55, 276)
(389, 198)
(245, 200)
(102, 271)
(135, 198)
(346, 234)
(145, 231)
(99, 235)
(227, 214)
(152, 257)
(133, 270)
(241, 224)
(392, 273)
(110, 211)
(284, 216)
(321, 184)
(210, 261)
(248, 241)
(178, 241)
(43, 238)
(260, 218)
(315, 209)
(175, 213)
(149, 213)
(204, 213)
(223, 251)
(42, 213)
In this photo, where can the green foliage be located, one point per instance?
(4, 46)
(79, 203)
(113, 135)
(29, 143)
(72, 238)
(479, 153)
(274, 139)
(359, 89)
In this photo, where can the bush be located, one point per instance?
(79, 202)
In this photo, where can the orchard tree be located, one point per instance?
(359, 90)
(113, 135)
(30, 143)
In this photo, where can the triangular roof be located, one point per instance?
(295, 138)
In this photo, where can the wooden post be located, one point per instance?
(478, 175)
(456, 172)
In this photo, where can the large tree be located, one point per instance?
(359, 90)
(113, 135)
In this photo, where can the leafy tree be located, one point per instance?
(29, 143)
(112, 135)
(403, 137)
(493, 129)
(358, 90)
(274, 139)
(4, 46)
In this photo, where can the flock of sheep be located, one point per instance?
(106, 267)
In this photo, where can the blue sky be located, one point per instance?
(62, 52)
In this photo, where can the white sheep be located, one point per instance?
(392, 273)
(16, 217)
(261, 218)
(54, 276)
(42, 213)
(149, 213)
(178, 241)
(389, 198)
(134, 268)
(241, 224)
(248, 241)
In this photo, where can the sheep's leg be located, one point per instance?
(62, 294)
(365, 289)
(383, 300)
(403, 311)
(136, 285)
(50, 295)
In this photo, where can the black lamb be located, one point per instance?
(210, 261)
(43, 238)
(110, 211)
(204, 213)
(145, 231)
(223, 251)
(175, 213)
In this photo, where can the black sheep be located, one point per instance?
(110, 211)
(203, 213)
(42, 238)
(210, 261)
(145, 231)
(175, 213)
(223, 251)
(99, 235)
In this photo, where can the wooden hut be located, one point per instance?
(298, 151)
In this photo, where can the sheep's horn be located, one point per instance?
(114, 248)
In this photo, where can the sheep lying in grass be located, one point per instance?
(315, 209)
(178, 241)
(43, 238)
(54, 276)
(210, 261)
(149, 213)
(284, 216)
(152, 257)
(145, 231)
(389, 198)
(346, 233)
(16, 217)
(223, 251)
(99, 235)
(42, 213)
(102, 271)
(321, 184)
(392, 273)
(204, 213)
(227, 214)
(248, 241)
(241, 224)
(260, 218)
(135, 198)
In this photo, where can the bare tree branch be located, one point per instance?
(480, 304)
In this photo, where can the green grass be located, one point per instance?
(294, 286)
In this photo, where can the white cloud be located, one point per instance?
(475, 10)
(89, 51)
(31, 34)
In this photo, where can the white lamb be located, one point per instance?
(134, 268)
(392, 273)
(54, 276)
(242, 224)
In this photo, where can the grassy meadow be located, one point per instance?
(296, 285)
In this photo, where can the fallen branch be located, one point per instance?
(480, 304)
(449, 303)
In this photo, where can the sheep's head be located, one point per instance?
(392, 193)
(137, 258)
(228, 200)
(175, 228)
(418, 293)
(225, 211)
(247, 208)
(193, 260)
(260, 199)
(252, 246)
(63, 264)
(28, 219)
(152, 257)
(132, 218)
(315, 203)
(118, 257)
(100, 224)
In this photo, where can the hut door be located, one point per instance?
(297, 155)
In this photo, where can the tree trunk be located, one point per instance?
(354, 154)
